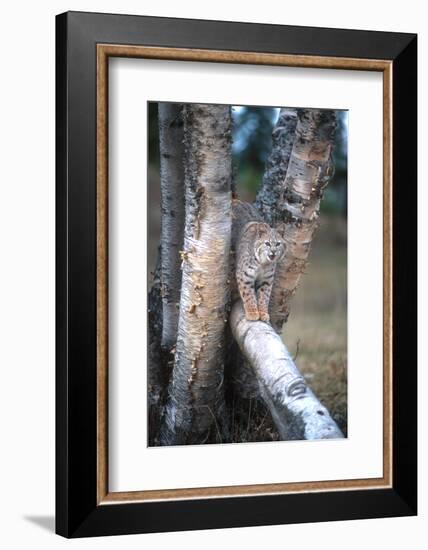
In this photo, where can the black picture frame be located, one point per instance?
(77, 511)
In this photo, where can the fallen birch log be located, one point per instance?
(295, 410)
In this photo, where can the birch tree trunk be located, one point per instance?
(172, 209)
(295, 410)
(309, 170)
(194, 395)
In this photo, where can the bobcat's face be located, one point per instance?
(269, 246)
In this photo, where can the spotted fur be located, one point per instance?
(258, 247)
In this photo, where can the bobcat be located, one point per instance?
(258, 247)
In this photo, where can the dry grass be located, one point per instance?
(250, 422)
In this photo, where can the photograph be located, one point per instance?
(247, 273)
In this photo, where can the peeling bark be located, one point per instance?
(271, 191)
(172, 209)
(194, 396)
(295, 410)
(310, 168)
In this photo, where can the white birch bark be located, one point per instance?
(295, 410)
(172, 220)
(194, 396)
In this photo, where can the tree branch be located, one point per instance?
(295, 410)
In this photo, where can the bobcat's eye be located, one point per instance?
(267, 243)
(278, 244)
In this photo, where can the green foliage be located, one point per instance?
(336, 195)
(252, 142)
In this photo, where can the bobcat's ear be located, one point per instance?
(262, 229)
(280, 229)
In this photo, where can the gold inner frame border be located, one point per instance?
(104, 52)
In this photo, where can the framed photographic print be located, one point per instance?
(236, 274)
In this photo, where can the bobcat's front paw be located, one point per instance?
(264, 316)
(252, 315)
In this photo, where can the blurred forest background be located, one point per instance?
(316, 332)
